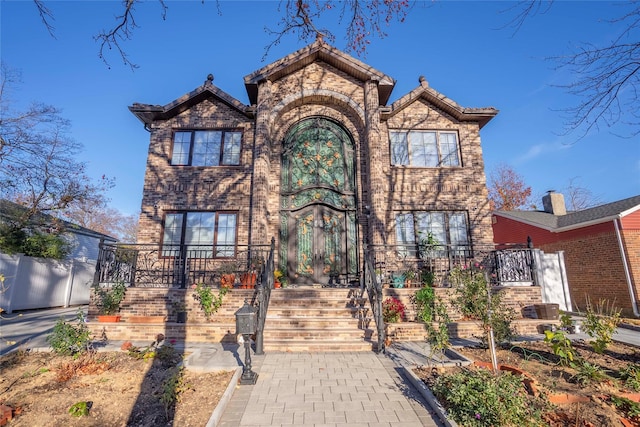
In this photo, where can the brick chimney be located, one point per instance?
(553, 203)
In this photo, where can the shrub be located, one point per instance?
(33, 243)
(479, 398)
(561, 346)
(208, 301)
(393, 310)
(437, 329)
(473, 301)
(109, 299)
(631, 376)
(601, 324)
(589, 373)
(424, 300)
(68, 339)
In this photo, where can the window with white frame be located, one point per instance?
(423, 148)
(436, 232)
(206, 148)
(202, 234)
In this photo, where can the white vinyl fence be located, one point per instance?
(44, 283)
(552, 278)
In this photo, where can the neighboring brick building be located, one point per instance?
(317, 160)
(601, 246)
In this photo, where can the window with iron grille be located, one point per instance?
(206, 148)
(200, 234)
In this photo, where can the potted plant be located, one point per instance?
(180, 308)
(393, 310)
(227, 272)
(108, 301)
(248, 278)
(277, 276)
(284, 280)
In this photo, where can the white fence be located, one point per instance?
(43, 283)
(552, 278)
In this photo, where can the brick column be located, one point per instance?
(374, 175)
(261, 166)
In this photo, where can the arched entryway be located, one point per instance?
(318, 243)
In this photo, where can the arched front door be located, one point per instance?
(318, 232)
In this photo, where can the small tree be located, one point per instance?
(473, 301)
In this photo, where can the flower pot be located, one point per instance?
(248, 280)
(277, 284)
(227, 280)
(181, 317)
(109, 318)
(146, 319)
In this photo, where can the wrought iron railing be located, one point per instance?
(374, 291)
(148, 265)
(262, 296)
(398, 265)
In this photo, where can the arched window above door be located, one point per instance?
(318, 154)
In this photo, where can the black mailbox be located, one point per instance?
(246, 325)
(246, 320)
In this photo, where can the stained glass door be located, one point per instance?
(319, 250)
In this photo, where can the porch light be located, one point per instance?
(246, 325)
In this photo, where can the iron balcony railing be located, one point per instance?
(149, 265)
(431, 265)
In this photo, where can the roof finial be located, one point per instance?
(319, 37)
(209, 79)
(423, 81)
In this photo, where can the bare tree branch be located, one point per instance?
(525, 9)
(46, 16)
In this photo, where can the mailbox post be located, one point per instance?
(246, 325)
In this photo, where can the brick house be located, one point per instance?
(601, 246)
(320, 161)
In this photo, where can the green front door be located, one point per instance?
(318, 249)
(318, 232)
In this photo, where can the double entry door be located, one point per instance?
(317, 250)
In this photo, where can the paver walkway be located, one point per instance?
(327, 389)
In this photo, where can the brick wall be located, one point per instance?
(317, 89)
(594, 270)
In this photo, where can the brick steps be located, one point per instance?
(317, 319)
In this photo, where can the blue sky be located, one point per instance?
(460, 47)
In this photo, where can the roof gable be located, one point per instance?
(148, 113)
(319, 51)
(423, 91)
(577, 219)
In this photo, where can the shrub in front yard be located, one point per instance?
(69, 339)
(478, 398)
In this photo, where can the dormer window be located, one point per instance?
(428, 149)
(206, 148)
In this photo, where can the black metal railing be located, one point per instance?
(148, 265)
(262, 296)
(373, 288)
(398, 265)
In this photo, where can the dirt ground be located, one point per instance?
(122, 390)
(536, 359)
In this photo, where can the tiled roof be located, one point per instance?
(574, 219)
